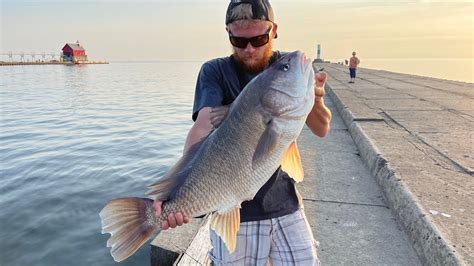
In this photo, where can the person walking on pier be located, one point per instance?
(353, 63)
(273, 224)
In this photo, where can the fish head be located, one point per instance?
(289, 84)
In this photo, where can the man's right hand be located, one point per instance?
(218, 114)
(174, 219)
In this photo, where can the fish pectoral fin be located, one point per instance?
(291, 163)
(226, 226)
(267, 142)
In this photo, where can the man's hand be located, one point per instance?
(218, 114)
(319, 81)
(173, 220)
(320, 116)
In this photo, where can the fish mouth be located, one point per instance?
(306, 67)
(292, 104)
(306, 104)
(305, 62)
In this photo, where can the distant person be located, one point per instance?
(353, 63)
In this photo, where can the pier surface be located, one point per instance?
(415, 135)
(391, 184)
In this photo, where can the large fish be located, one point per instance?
(230, 165)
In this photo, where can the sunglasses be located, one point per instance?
(257, 41)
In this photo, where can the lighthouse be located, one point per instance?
(318, 55)
(319, 52)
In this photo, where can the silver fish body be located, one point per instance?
(230, 165)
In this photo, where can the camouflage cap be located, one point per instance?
(249, 10)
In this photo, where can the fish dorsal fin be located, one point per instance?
(168, 184)
(291, 163)
(267, 142)
(226, 226)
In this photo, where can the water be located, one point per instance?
(74, 137)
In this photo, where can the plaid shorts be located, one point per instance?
(285, 240)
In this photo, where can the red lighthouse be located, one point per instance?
(74, 52)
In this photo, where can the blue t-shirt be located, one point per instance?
(219, 83)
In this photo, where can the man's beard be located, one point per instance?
(254, 66)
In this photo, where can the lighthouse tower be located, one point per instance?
(318, 55)
(319, 52)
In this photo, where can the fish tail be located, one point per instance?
(131, 222)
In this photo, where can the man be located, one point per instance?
(273, 225)
(353, 63)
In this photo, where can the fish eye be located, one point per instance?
(285, 67)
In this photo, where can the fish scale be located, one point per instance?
(234, 171)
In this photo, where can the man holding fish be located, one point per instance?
(274, 216)
(240, 160)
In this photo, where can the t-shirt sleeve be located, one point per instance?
(209, 88)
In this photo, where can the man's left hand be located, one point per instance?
(319, 81)
(319, 118)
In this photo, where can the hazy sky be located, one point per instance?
(194, 30)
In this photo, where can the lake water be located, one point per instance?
(74, 137)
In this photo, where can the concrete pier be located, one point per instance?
(392, 183)
(346, 209)
(415, 135)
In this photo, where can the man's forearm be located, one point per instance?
(201, 129)
(319, 118)
(195, 135)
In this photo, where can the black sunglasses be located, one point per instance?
(257, 41)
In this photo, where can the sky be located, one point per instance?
(194, 30)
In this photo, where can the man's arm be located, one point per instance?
(320, 116)
(201, 128)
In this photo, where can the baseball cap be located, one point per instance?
(249, 9)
